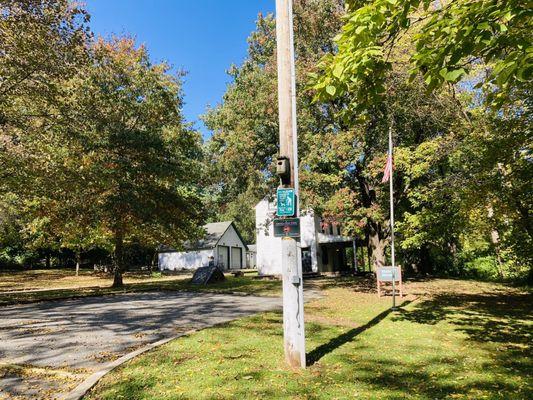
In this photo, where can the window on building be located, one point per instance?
(323, 226)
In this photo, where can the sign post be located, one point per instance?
(393, 275)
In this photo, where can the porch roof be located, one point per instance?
(324, 238)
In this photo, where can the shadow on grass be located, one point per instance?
(244, 285)
(434, 378)
(498, 322)
(322, 350)
(361, 284)
(485, 317)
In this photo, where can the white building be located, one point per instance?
(323, 246)
(251, 256)
(222, 242)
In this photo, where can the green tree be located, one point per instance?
(495, 170)
(343, 171)
(135, 164)
(244, 144)
(481, 45)
(41, 43)
(450, 38)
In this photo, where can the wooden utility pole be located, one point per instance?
(293, 305)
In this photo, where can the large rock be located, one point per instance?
(205, 275)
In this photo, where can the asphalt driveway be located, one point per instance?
(61, 342)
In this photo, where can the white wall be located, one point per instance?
(268, 254)
(251, 259)
(231, 239)
(184, 260)
(308, 228)
(269, 247)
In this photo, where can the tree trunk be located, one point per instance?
(78, 261)
(425, 260)
(377, 244)
(119, 259)
(376, 239)
(48, 261)
(369, 257)
(154, 261)
(495, 239)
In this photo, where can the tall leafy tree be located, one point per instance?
(345, 166)
(41, 43)
(245, 124)
(484, 46)
(133, 163)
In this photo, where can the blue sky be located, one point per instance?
(203, 37)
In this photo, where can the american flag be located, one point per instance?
(388, 169)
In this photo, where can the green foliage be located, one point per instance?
(156, 275)
(485, 268)
(450, 37)
(345, 167)
(139, 163)
(97, 129)
(245, 141)
(473, 153)
(460, 33)
(42, 41)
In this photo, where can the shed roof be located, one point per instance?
(214, 232)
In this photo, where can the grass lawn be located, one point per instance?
(38, 285)
(451, 339)
(67, 279)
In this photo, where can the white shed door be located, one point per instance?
(236, 257)
(223, 257)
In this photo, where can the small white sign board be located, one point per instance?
(389, 274)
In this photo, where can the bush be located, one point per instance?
(485, 268)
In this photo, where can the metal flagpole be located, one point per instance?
(391, 197)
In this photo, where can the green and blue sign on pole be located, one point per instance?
(286, 202)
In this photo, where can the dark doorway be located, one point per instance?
(307, 265)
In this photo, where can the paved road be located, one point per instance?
(76, 337)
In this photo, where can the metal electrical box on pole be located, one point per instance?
(288, 194)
